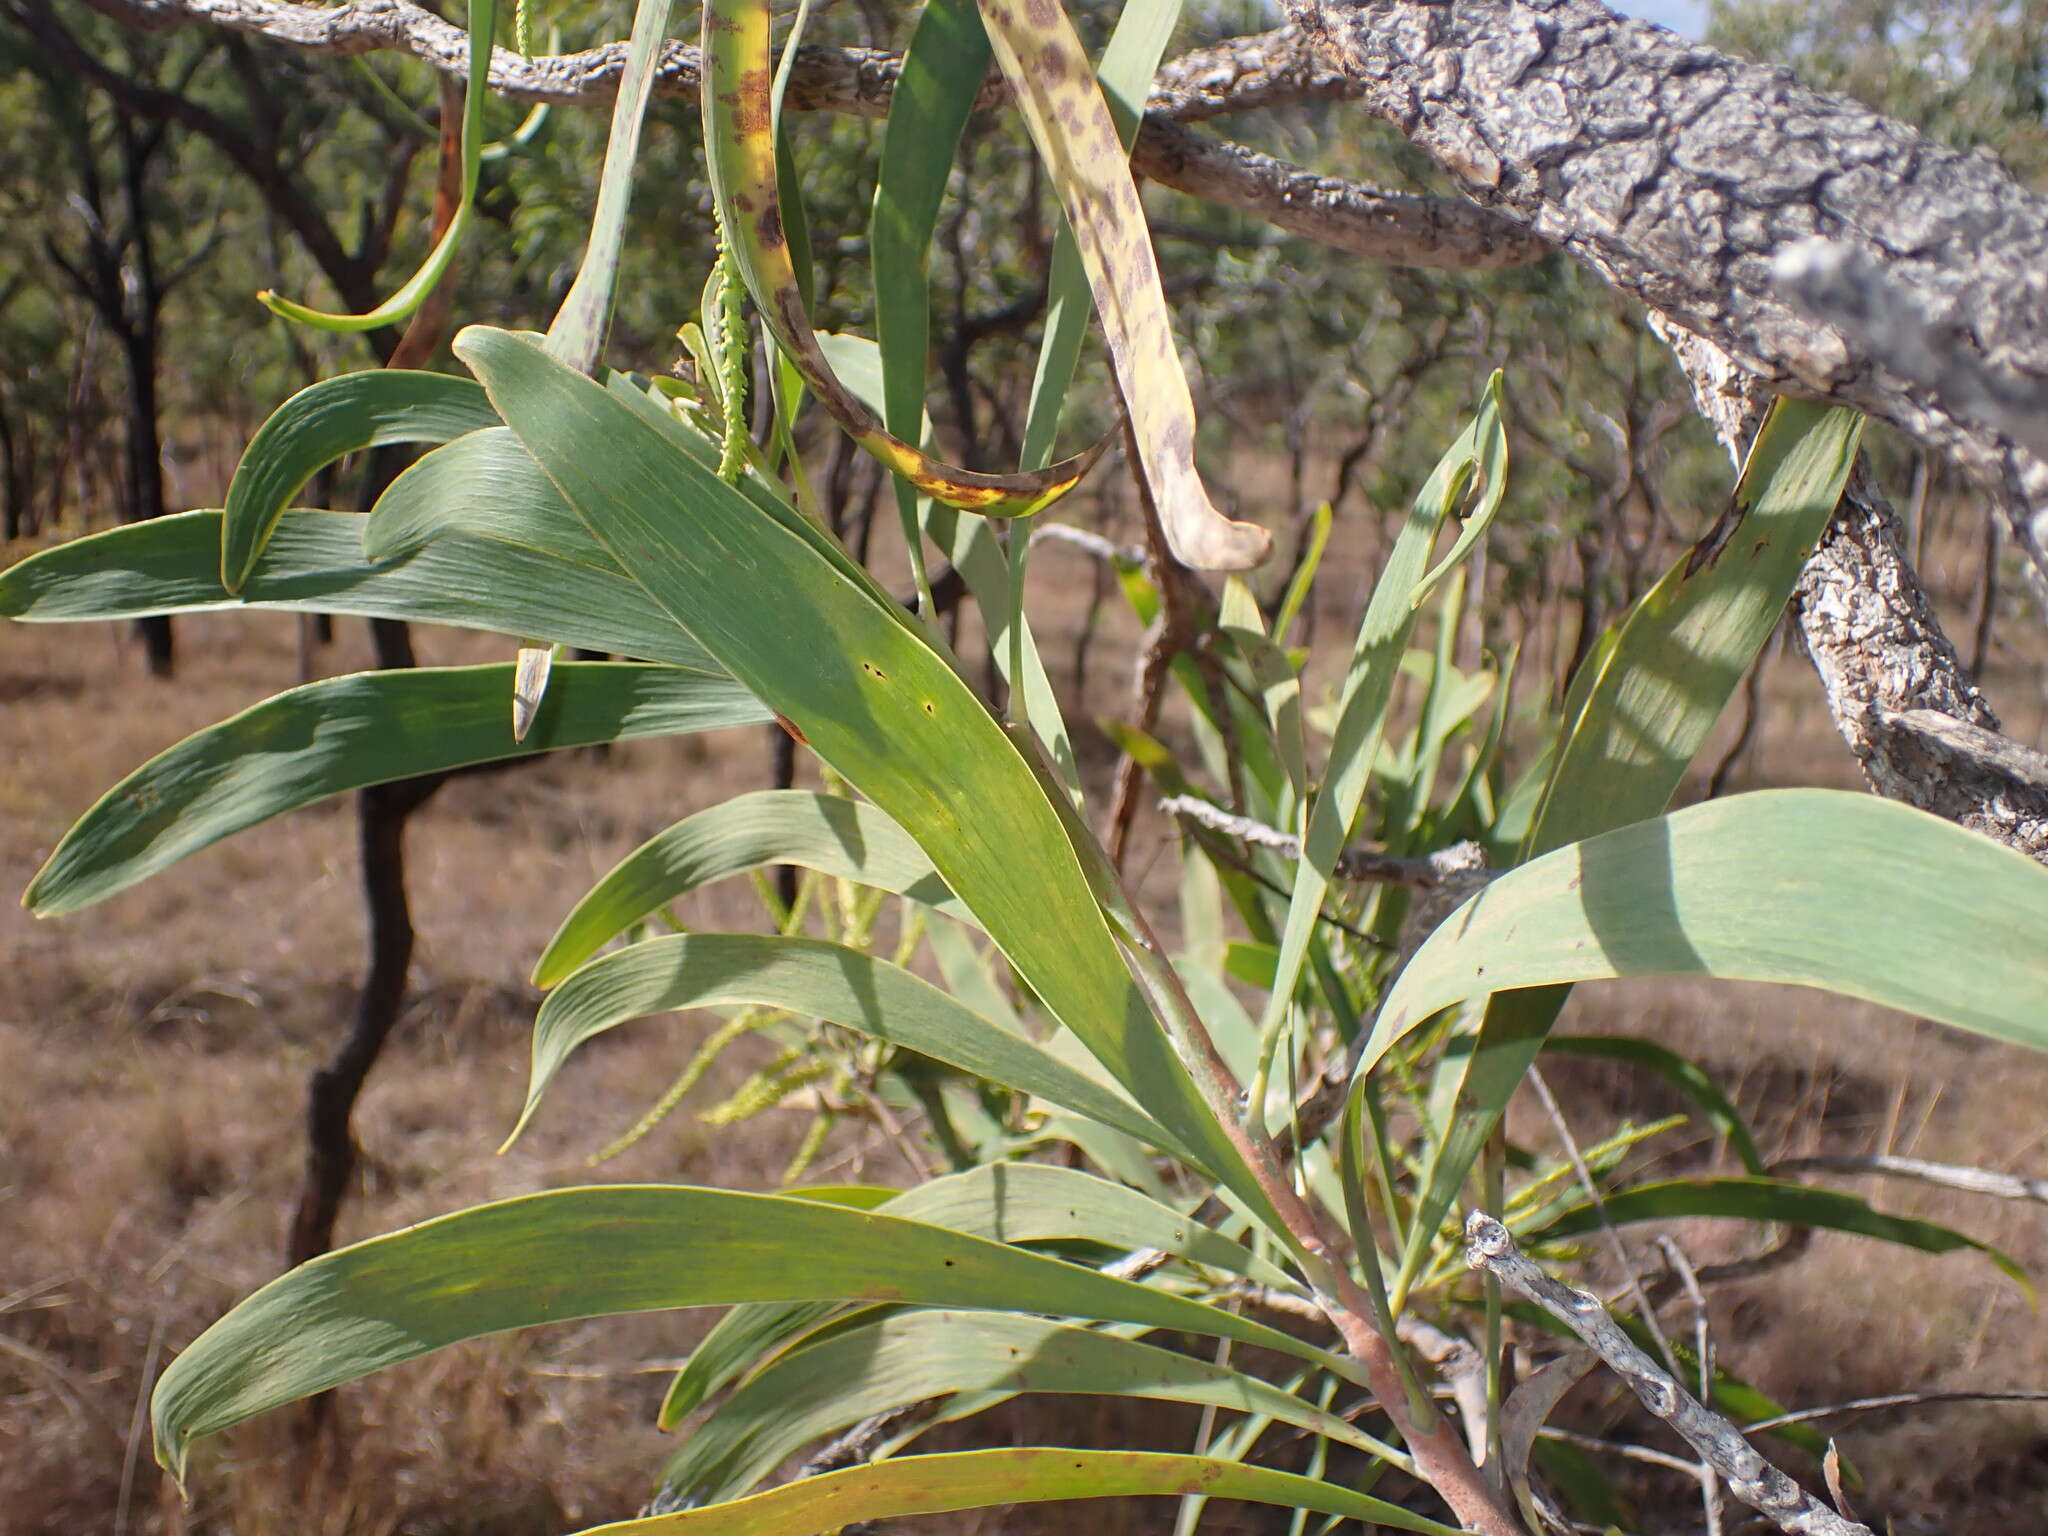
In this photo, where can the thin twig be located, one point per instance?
(1748, 1476)
(1703, 1348)
(1895, 1400)
(1977, 1181)
(1461, 866)
(1630, 1278)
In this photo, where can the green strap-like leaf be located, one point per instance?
(1639, 712)
(1047, 68)
(577, 334)
(1481, 452)
(314, 564)
(908, 1357)
(485, 486)
(345, 732)
(847, 839)
(594, 1252)
(483, 26)
(1819, 888)
(929, 1485)
(324, 422)
(1004, 1202)
(872, 697)
(1765, 1200)
(739, 148)
(821, 981)
(1683, 649)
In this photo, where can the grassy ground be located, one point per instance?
(154, 1052)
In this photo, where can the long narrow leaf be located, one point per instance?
(819, 980)
(1004, 1202)
(594, 1252)
(1047, 68)
(314, 563)
(322, 423)
(1819, 888)
(1129, 61)
(1481, 452)
(908, 1357)
(846, 839)
(872, 698)
(483, 26)
(345, 732)
(1765, 1200)
(577, 334)
(930, 1485)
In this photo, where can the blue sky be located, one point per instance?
(1687, 16)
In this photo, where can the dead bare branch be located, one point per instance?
(1746, 1474)
(1437, 232)
(1460, 868)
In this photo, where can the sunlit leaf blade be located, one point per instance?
(819, 980)
(593, 1252)
(1682, 1074)
(1819, 888)
(1131, 58)
(486, 486)
(941, 76)
(1765, 1200)
(325, 421)
(907, 1357)
(847, 839)
(1480, 452)
(314, 564)
(1037, 1202)
(873, 699)
(577, 334)
(1055, 88)
(1683, 649)
(1640, 711)
(483, 24)
(740, 155)
(345, 732)
(924, 1485)
(1005, 1202)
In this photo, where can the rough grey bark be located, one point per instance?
(1719, 1443)
(1416, 231)
(1681, 174)
(1919, 726)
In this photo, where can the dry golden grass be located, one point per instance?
(154, 1051)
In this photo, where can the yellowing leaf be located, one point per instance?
(739, 147)
(1042, 58)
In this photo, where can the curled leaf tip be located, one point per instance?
(1203, 538)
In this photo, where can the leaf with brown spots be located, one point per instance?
(1042, 58)
(739, 144)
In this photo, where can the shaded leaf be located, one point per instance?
(324, 422)
(847, 839)
(345, 732)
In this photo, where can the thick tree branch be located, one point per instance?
(1682, 174)
(1268, 70)
(1919, 726)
